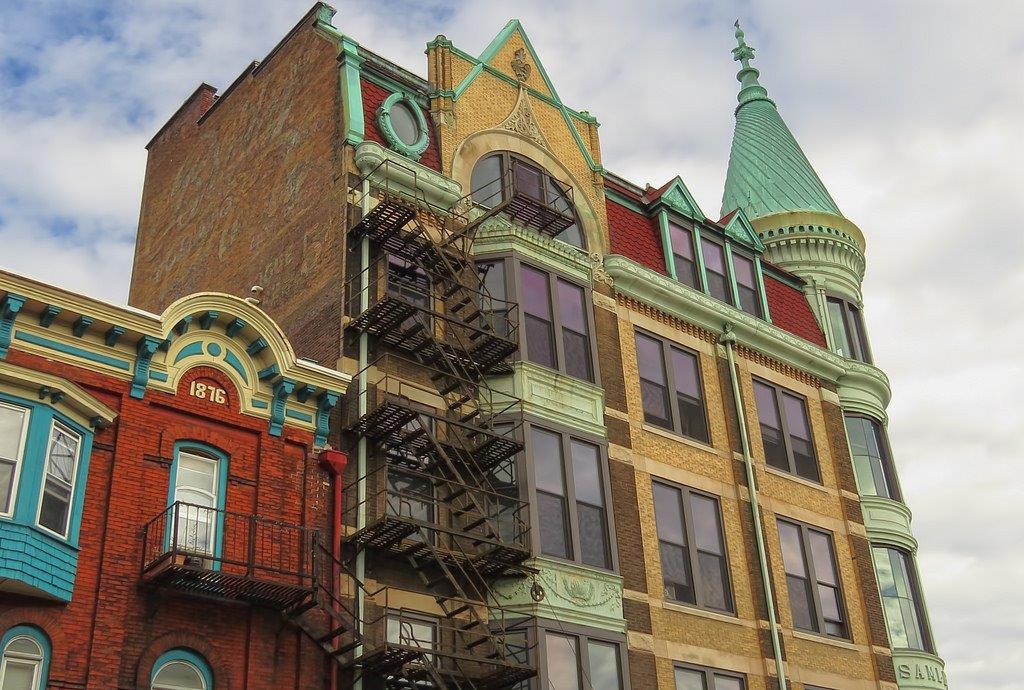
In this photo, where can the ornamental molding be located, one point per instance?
(523, 122)
(414, 150)
(412, 179)
(554, 396)
(520, 66)
(499, 233)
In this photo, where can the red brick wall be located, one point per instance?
(112, 630)
(373, 96)
(635, 236)
(791, 312)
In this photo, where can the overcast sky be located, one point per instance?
(911, 112)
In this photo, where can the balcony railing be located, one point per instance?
(530, 197)
(218, 553)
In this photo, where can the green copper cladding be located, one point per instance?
(768, 171)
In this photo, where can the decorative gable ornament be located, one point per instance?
(740, 230)
(523, 122)
(520, 66)
(678, 198)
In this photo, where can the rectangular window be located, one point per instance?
(540, 329)
(572, 308)
(715, 270)
(578, 662)
(785, 430)
(701, 678)
(872, 464)
(412, 631)
(683, 411)
(495, 306)
(848, 329)
(812, 579)
(692, 547)
(571, 498)
(13, 428)
(683, 255)
(411, 496)
(746, 285)
(901, 599)
(59, 481)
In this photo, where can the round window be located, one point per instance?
(405, 123)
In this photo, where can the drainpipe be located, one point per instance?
(728, 339)
(334, 461)
(361, 459)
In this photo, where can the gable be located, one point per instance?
(738, 228)
(677, 197)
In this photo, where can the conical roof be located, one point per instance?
(768, 172)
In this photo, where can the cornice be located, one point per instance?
(498, 233)
(887, 522)
(417, 181)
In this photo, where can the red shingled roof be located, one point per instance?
(790, 311)
(373, 96)
(635, 236)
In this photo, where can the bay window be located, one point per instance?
(848, 333)
(59, 480)
(901, 599)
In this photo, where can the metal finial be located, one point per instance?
(742, 52)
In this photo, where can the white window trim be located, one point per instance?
(74, 478)
(35, 660)
(19, 461)
(183, 662)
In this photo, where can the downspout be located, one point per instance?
(728, 339)
(335, 461)
(361, 459)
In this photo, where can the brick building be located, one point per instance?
(597, 439)
(159, 471)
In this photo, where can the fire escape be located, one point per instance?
(441, 501)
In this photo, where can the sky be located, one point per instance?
(911, 112)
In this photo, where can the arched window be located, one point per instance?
(496, 175)
(181, 669)
(26, 652)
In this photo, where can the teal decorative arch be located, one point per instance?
(185, 655)
(40, 638)
(415, 150)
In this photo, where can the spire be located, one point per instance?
(768, 172)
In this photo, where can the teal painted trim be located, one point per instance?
(304, 391)
(740, 229)
(387, 83)
(232, 360)
(666, 244)
(351, 64)
(269, 372)
(190, 350)
(10, 305)
(213, 349)
(146, 348)
(113, 336)
(188, 656)
(40, 638)
(257, 346)
(678, 198)
(295, 414)
(222, 486)
(234, 327)
(761, 291)
(81, 325)
(734, 289)
(73, 351)
(414, 150)
(182, 327)
(282, 389)
(39, 561)
(259, 404)
(700, 260)
(489, 52)
(157, 376)
(48, 314)
(207, 320)
(624, 201)
(325, 403)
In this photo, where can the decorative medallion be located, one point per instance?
(520, 67)
(522, 121)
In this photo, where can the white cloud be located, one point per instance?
(910, 112)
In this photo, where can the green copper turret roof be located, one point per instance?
(768, 172)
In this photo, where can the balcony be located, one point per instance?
(528, 196)
(215, 553)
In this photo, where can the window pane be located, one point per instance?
(19, 675)
(687, 679)
(536, 293)
(714, 267)
(686, 271)
(707, 529)
(12, 422)
(54, 507)
(860, 341)
(668, 512)
(749, 301)
(682, 251)
(829, 597)
(196, 472)
(841, 337)
(410, 496)
(653, 381)
(801, 603)
(692, 420)
(744, 271)
(554, 525)
(792, 549)
(562, 662)
(649, 360)
(6, 485)
(540, 341)
(718, 287)
(604, 666)
(729, 683)
(572, 306)
(684, 368)
(800, 437)
(177, 674)
(593, 535)
(577, 355)
(575, 334)
(796, 416)
(404, 122)
(675, 573)
(900, 599)
(527, 179)
(547, 461)
(492, 274)
(486, 182)
(586, 470)
(771, 426)
(821, 553)
(713, 581)
(767, 409)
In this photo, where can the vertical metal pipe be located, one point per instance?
(728, 339)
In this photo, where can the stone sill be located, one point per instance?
(842, 644)
(704, 613)
(794, 478)
(679, 439)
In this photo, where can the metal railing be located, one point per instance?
(529, 195)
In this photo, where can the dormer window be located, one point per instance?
(500, 176)
(748, 297)
(849, 339)
(714, 269)
(683, 256)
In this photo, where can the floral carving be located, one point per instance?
(520, 67)
(522, 120)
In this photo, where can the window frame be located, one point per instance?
(40, 663)
(670, 383)
(684, 493)
(778, 390)
(55, 424)
(809, 566)
(506, 162)
(917, 596)
(186, 656)
(853, 326)
(434, 622)
(584, 636)
(222, 459)
(888, 465)
(709, 673)
(514, 264)
(19, 461)
(566, 435)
